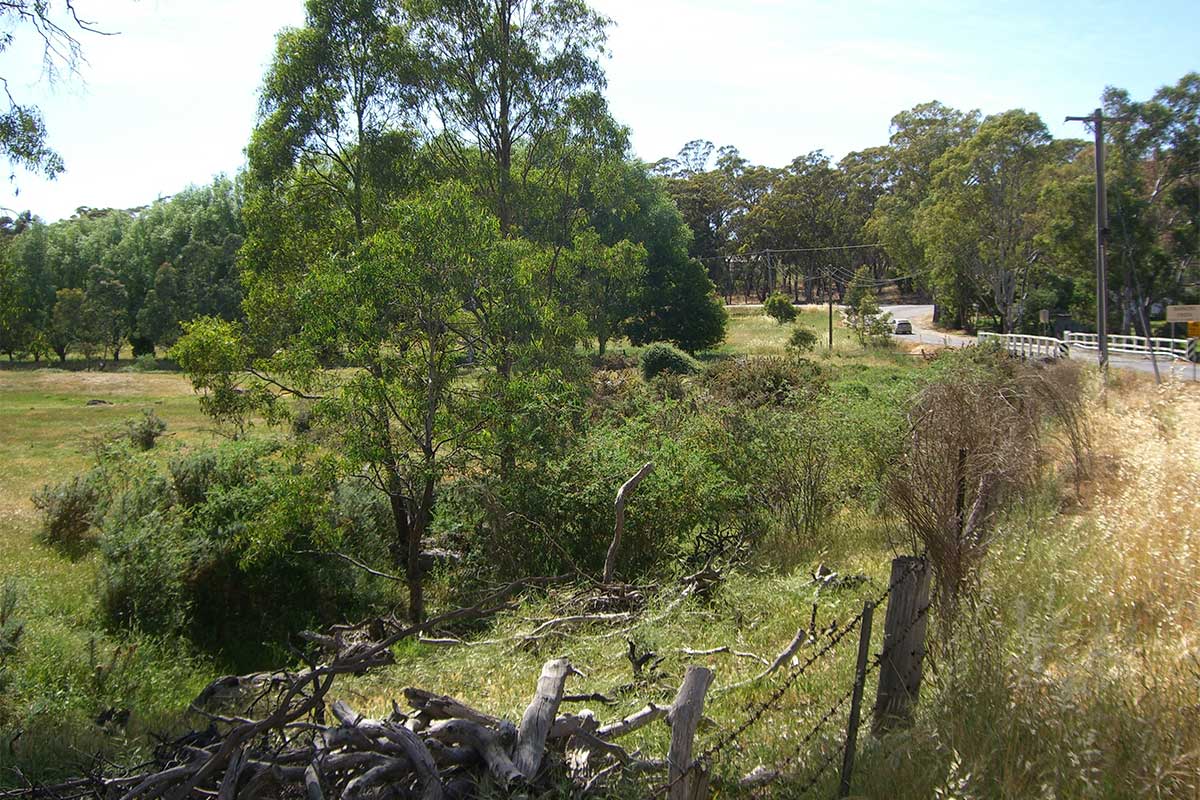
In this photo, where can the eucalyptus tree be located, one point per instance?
(334, 103)
(979, 225)
(503, 77)
(920, 136)
(410, 314)
(1153, 167)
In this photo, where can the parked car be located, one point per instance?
(901, 326)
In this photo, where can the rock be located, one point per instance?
(95, 402)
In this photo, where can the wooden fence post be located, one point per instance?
(860, 677)
(903, 644)
(684, 717)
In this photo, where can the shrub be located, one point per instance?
(225, 546)
(662, 357)
(191, 475)
(68, 511)
(779, 308)
(144, 432)
(145, 362)
(756, 381)
(802, 339)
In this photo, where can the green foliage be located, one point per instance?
(215, 356)
(216, 548)
(873, 328)
(661, 357)
(802, 339)
(755, 381)
(144, 432)
(146, 362)
(778, 307)
(69, 510)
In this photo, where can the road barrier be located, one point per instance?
(1028, 346)
(1133, 345)
(1047, 347)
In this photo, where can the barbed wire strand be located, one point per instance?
(795, 674)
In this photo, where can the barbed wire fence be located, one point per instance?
(898, 665)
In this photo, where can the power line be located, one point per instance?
(772, 250)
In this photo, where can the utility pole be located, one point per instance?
(829, 294)
(1097, 120)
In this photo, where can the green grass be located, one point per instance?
(60, 678)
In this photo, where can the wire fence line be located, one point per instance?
(773, 701)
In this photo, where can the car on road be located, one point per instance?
(902, 326)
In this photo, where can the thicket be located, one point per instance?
(224, 545)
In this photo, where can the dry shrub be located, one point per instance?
(977, 436)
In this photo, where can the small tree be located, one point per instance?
(869, 324)
(802, 339)
(401, 314)
(861, 285)
(779, 308)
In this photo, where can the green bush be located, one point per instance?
(662, 357)
(802, 339)
(756, 381)
(225, 547)
(779, 307)
(144, 432)
(145, 362)
(69, 510)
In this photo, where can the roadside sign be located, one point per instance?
(1044, 316)
(1183, 313)
(1193, 330)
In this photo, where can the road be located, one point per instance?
(921, 317)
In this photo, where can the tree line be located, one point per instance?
(105, 279)
(991, 215)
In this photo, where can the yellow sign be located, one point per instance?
(1193, 330)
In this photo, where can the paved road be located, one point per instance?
(921, 318)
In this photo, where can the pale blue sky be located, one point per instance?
(171, 100)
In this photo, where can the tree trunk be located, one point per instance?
(421, 517)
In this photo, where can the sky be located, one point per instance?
(170, 100)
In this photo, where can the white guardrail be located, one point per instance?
(1028, 346)
(1049, 347)
(1132, 345)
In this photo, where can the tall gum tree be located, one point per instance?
(978, 224)
(501, 78)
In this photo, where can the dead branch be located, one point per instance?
(610, 561)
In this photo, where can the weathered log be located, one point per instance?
(233, 774)
(632, 722)
(610, 560)
(443, 706)
(687, 651)
(540, 715)
(416, 756)
(481, 740)
(569, 724)
(312, 783)
(759, 776)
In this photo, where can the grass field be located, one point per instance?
(1081, 680)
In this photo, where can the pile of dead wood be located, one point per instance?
(285, 735)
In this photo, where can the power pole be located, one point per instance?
(1097, 120)
(829, 294)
